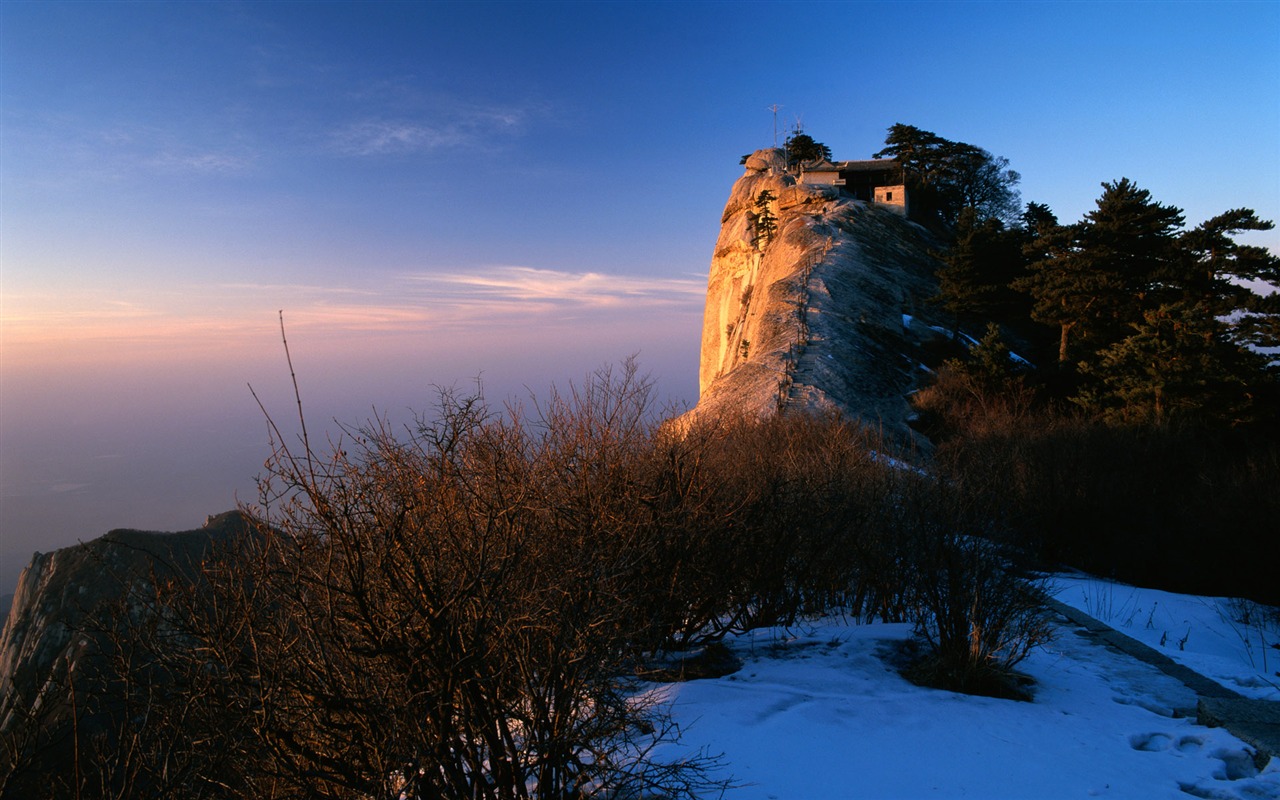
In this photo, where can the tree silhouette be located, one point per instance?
(945, 176)
(980, 266)
(801, 147)
(766, 223)
(1097, 277)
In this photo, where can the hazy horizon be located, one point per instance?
(520, 192)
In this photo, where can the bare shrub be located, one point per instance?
(962, 401)
(450, 612)
(979, 618)
(810, 492)
(827, 521)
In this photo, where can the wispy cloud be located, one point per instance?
(74, 153)
(383, 137)
(397, 135)
(500, 297)
(564, 289)
(207, 162)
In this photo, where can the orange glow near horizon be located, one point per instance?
(204, 320)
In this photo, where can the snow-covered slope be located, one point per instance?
(820, 712)
(1231, 641)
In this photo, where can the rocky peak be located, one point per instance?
(828, 312)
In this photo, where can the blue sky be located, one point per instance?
(519, 191)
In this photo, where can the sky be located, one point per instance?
(435, 194)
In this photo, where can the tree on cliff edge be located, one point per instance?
(946, 177)
(801, 147)
(766, 223)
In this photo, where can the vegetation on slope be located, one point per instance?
(1142, 442)
(465, 611)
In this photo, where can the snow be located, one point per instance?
(819, 711)
(895, 463)
(969, 340)
(1203, 633)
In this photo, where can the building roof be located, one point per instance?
(871, 165)
(821, 165)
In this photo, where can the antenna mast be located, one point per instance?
(774, 108)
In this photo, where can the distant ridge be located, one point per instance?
(45, 644)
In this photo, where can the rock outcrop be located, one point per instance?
(63, 602)
(828, 312)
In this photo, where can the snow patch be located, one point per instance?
(819, 711)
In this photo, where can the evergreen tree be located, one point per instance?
(1062, 285)
(1097, 277)
(801, 148)
(1038, 219)
(945, 177)
(766, 224)
(990, 364)
(1215, 271)
(1177, 364)
(1132, 237)
(981, 265)
(916, 150)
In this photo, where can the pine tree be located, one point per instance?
(946, 177)
(766, 223)
(1177, 364)
(1038, 219)
(1097, 277)
(990, 364)
(980, 266)
(801, 147)
(1216, 271)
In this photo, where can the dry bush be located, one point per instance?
(455, 610)
(961, 403)
(945, 567)
(827, 521)
(451, 612)
(811, 494)
(979, 618)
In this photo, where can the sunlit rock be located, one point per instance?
(829, 312)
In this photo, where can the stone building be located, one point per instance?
(876, 181)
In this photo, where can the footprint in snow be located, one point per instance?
(1150, 742)
(781, 707)
(1189, 744)
(1236, 765)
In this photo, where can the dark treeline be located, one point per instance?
(1135, 434)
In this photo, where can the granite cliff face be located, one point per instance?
(829, 312)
